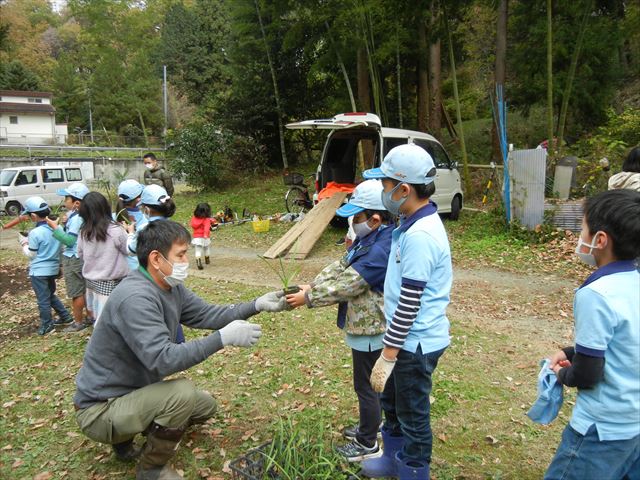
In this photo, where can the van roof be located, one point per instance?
(399, 133)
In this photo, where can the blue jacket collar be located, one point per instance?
(429, 209)
(41, 223)
(610, 269)
(132, 210)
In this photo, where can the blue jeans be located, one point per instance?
(585, 457)
(45, 289)
(406, 405)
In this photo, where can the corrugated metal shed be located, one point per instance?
(527, 172)
(566, 214)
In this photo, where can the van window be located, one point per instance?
(6, 177)
(52, 175)
(440, 158)
(73, 174)
(390, 143)
(26, 177)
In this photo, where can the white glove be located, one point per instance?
(240, 333)
(272, 302)
(381, 372)
(23, 240)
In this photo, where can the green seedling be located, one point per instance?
(285, 274)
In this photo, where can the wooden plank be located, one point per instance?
(284, 242)
(313, 231)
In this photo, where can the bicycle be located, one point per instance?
(297, 198)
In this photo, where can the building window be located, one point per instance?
(35, 100)
(13, 120)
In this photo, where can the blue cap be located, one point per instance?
(130, 189)
(367, 196)
(154, 195)
(407, 163)
(34, 204)
(76, 190)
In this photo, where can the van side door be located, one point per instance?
(52, 180)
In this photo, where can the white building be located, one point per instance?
(28, 118)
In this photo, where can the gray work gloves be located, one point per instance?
(272, 302)
(240, 333)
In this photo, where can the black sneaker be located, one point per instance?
(356, 452)
(350, 433)
(42, 331)
(63, 321)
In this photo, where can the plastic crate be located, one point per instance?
(293, 179)
(260, 226)
(251, 465)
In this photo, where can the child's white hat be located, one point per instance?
(367, 196)
(154, 195)
(34, 204)
(407, 163)
(76, 190)
(130, 189)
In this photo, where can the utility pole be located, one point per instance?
(164, 99)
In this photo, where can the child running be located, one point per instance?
(44, 252)
(201, 225)
(356, 284)
(602, 440)
(71, 262)
(102, 246)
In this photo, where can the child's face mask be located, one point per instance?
(587, 258)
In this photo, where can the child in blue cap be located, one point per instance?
(416, 295)
(44, 252)
(129, 213)
(71, 262)
(602, 440)
(356, 284)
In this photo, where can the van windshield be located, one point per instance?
(6, 177)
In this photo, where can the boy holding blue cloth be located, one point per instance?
(602, 440)
(44, 267)
(416, 295)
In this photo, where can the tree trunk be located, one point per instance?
(500, 72)
(276, 94)
(463, 146)
(342, 68)
(550, 146)
(423, 76)
(364, 96)
(571, 76)
(435, 100)
(399, 81)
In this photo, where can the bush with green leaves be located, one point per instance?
(209, 156)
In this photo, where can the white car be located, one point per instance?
(357, 141)
(19, 183)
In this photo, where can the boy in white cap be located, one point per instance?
(356, 284)
(71, 262)
(44, 253)
(416, 295)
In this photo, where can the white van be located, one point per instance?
(356, 132)
(19, 183)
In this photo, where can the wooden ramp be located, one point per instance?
(304, 234)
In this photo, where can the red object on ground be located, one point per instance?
(333, 187)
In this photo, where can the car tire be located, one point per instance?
(456, 207)
(13, 209)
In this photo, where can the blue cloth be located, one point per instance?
(550, 396)
(45, 290)
(72, 227)
(405, 401)
(420, 256)
(586, 457)
(607, 324)
(364, 343)
(46, 263)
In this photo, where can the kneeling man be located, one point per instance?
(121, 389)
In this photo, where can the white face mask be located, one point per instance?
(587, 258)
(148, 165)
(362, 229)
(179, 273)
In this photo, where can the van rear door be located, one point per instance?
(341, 121)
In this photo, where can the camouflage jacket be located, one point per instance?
(160, 177)
(356, 283)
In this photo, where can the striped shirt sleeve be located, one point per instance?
(405, 314)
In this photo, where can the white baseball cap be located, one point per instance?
(366, 196)
(130, 189)
(154, 195)
(34, 204)
(76, 190)
(406, 163)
